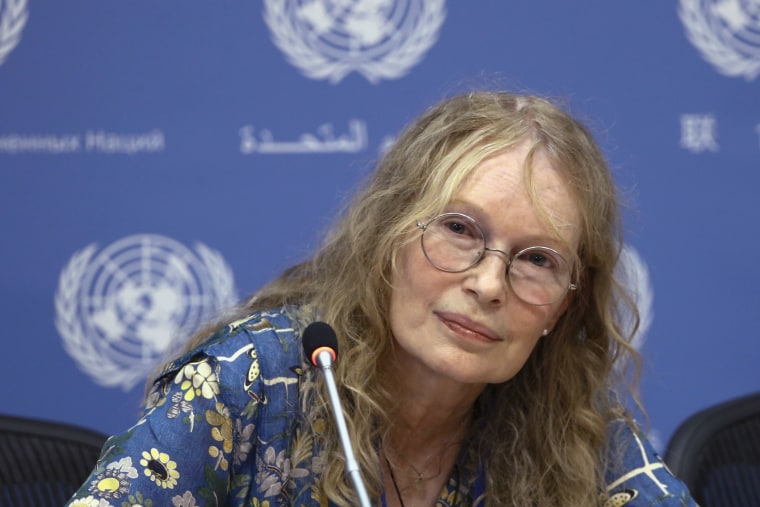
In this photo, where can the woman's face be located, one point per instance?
(470, 327)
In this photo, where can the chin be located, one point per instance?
(476, 376)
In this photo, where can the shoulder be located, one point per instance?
(637, 475)
(243, 359)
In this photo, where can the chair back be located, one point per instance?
(716, 452)
(42, 463)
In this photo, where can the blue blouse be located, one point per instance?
(221, 426)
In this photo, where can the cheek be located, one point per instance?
(410, 270)
(412, 287)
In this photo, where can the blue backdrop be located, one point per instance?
(140, 141)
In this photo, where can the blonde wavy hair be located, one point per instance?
(543, 433)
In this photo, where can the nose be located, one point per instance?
(488, 279)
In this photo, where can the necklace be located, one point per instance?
(398, 490)
(419, 474)
(393, 480)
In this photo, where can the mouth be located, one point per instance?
(463, 326)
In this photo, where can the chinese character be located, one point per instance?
(699, 132)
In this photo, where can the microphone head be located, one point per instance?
(318, 337)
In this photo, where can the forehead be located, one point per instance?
(534, 199)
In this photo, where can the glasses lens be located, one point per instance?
(539, 275)
(452, 242)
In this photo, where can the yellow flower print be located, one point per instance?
(160, 469)
(257, 503)
(198, 380)
(113, 482)
(221, 431)
(320, 426)
(448, 497)
(108, 486)
(222, 425)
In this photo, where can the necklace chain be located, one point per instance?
(419, 473)
(398, 490)
(393, 480)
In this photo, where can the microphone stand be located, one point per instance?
(324, 360)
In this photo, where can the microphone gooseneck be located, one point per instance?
(321, 347)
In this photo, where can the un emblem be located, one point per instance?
(726, 33)
(118, 310)
(379, 39)
(13, 17)
(632, 273)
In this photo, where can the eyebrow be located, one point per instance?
(465, 207)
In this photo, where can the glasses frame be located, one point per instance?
(424, 225)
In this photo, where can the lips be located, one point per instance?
(463, 325)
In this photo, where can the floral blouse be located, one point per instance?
(221, 428)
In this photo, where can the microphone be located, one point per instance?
(321, 347)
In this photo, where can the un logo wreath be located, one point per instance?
(13, 16)
(404, 51)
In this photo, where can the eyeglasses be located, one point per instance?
(454, 242)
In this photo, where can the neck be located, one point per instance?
(428, 423)
(421, 446)
(426, 405)
(416, 476)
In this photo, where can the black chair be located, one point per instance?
(716, 452)
(42, 463)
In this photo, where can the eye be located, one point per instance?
(540, 259)
(458, 226)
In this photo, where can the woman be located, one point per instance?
(471, 287)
